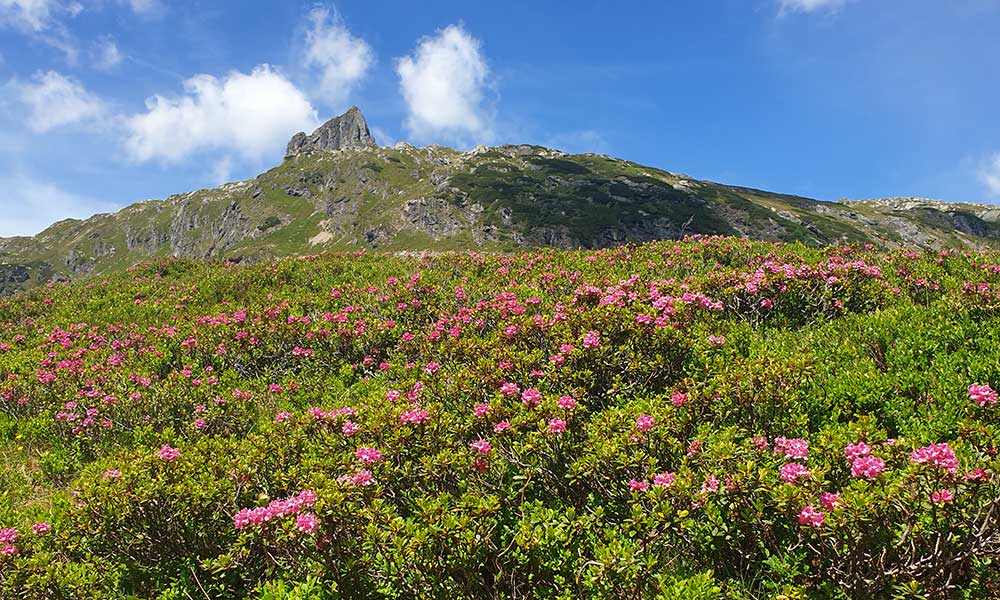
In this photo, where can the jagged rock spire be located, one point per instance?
(349, 130)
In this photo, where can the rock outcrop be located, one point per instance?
(349, 130)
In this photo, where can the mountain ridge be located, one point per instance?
(338, 190)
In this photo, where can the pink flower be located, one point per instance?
(509, 389)
(694, 447)
(8, 550)
(481, 410)
(415, 416)
(557, 425)
(8, 535)
(41, 528)
(501, 426)
(760, 442)
(168, 453)
(811, 517)
(792, 447)
(942, 497)
(638, 486)
(431, 368)
(531, 397)
(982, 394)
(479, 465)
(678, 399)
(199, 423)
(307, 522)
(711, 484)
(350, 428)
(644, 422)
(938, 455)
(716, 340)
(481, 446)
(977, 474)
(112, 474)
(566, 403)
(664, 479)
(368, 455)
(829, 501)
(282, 416)
(856, 451)
(591, 339)
(868, 467)
(792, 472)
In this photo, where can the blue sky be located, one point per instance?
(106, 102)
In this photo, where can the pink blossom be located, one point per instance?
(350, 428)
(977, 474)
(694, 447)
(8, 550)
(638, 486)
(481, 446)
(792, 447)
(938, 455)
(8, 535)
(199, 423)
(502, 425)
(41, 528)
(942, 497)
(760, 442)
(557, 425)
(282, 416)
(168, 453)
(509, 389)
(481, 410)
(111, 474)
(531, 397)
(566, 403)
(368, 455)
(811, 517)
(856, 451)
(644, 422)
(716, 340)
(664, 479)
(307, 522)
(591, 339)
(829, 501)
(711, 484)
(431, 368)
(868, 467)
(678, 399)
(982, 394)
(792, 472)
(415, 416)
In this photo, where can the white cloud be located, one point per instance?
(443, 84)
(990, 174)
(105, 55)
(40, 19)
(54, 100)
(144, 6)
(250, 115)
(222, 170)
(810, 5)
(32, 204)
(341, 59)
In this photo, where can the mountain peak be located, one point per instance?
(349, 130)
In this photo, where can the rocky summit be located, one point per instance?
(337, 190)
(349, 130)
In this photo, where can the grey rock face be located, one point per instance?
(349, 130)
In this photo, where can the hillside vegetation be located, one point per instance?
(709, 418)
(493, 199)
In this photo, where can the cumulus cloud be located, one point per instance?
(54, 100)
(251, 115)
(34, 204)
(105, 55)
(990, 174)
(811, 5)
(444, 83)
(143, 6)
(341, 59)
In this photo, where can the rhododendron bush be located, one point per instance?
(710, 418)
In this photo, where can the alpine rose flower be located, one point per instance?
(868, 467)
(829, 501)
(41, 528)
(982, 394)
(792, 472)
(938, 455)
(167, 453)
(942, 497)
(557, 426)
(307, 522)
(644, 422)
(368, 455)
(481, 446)
(811, 517)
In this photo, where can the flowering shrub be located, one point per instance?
(709, 418)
